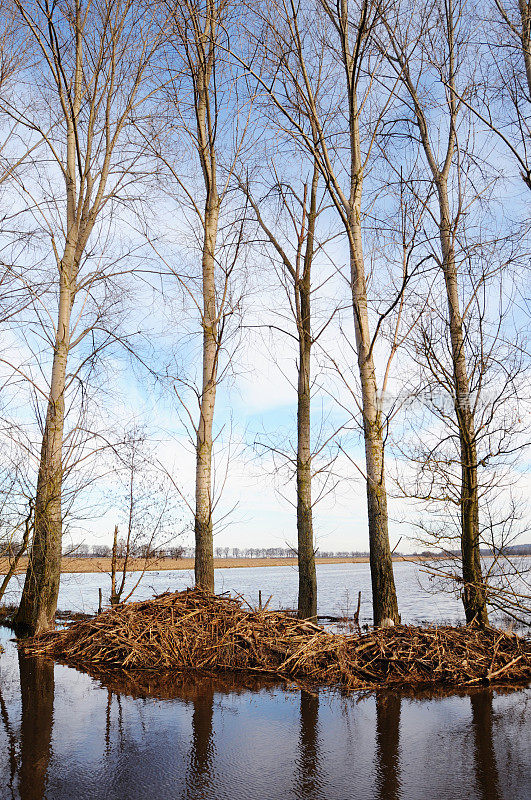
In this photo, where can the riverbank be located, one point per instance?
(95, 565)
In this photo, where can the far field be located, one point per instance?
(135, 565)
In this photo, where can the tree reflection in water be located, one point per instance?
(37, 696)
(111, 696)
(309, 778)
(11, 744)
(387, 767)
(135, 745)
(487, 778)
(200, 779)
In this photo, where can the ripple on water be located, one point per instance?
(66, 736)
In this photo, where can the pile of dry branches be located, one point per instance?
(193, 630)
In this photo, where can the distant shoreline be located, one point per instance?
(95, 565)
(71, 565)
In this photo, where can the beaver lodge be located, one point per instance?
(194, 630)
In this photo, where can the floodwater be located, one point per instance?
(338, 586)
(67, 736)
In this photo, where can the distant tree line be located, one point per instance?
(105, 551)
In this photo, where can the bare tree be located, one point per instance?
(430, 450)
(301, 209)
(14, 150)
(312, 88)
(430, 45)
(16, 509)
(201, 109)
(504, 105)
(149, 515)
(90, 63)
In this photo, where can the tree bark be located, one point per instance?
(307, 603)
(525, 36)
(38, 603)
(307, 606)
(204, 542)
(384, 600)
(474, 600)
(114, 598)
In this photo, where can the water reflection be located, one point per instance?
(37, 695)
(199, 781)
(485, 756)
(11, 745)
(308, 785)
(205, 738)
(113, 699)
(387, 758)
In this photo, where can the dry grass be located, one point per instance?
(82, 565)
(193, 630)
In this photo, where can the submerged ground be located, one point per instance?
(65, 736)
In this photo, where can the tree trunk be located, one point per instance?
(306, 554)
(384, 600)
(204, 543)
(474, 600)
(307, 604)
(114, 598)
(206, 136)
(525, 36)
(38, 603)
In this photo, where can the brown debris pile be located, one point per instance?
(193, 630)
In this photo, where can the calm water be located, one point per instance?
(338, 586)
(67, 736)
